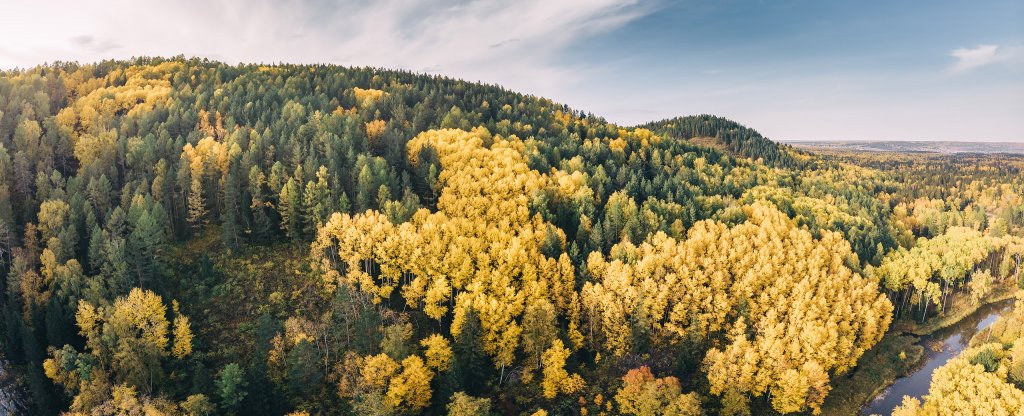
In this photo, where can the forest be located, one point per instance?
(187, 237)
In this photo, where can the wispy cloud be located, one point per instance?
(513, 43)
(93, 44)
(968, 59)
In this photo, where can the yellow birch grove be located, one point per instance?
(480, 251)
(793, 311)
(926, 273)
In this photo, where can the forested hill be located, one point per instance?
(181, 236)
(727, 135)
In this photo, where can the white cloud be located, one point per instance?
(515, 43)
(968, 59)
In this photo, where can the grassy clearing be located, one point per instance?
(225, 292)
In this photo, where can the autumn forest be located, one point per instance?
(186, 237)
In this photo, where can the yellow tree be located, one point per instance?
(480, 252)
(644, 395)
(410, 389)
(127, 340)
(402, 387)
(556, 379)
(793, 310)
(438, 352)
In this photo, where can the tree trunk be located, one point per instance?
(925, 314)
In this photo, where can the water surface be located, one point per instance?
(10, 394)
(939, 348)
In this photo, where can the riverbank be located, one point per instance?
(897, 355)
(11, 392)
(963, 309)
(893, 357)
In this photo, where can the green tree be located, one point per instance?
(262, 227)
(146, 245)
(316, 203)
(231, 385)
(289, 206)
(305, 377)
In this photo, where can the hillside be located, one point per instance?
(182, 236)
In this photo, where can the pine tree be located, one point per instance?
(289, 206)
(196, 205)
(231, 227)
(316, 202)
(146, 244)
(262, 227)
(231, 384)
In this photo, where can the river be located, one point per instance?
(10, 393)
(939, 347)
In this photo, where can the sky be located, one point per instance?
(792, 69)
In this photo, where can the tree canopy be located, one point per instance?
(183, 236)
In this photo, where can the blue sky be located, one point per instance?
(793, 69)
(823, 70)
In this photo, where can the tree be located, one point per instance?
(539, 329)
(146, 244)
(125, 400)
(365, 189)
(289, 206)
(182, 335)
(196, 204)
(52, 218)
(468, 361)
(644, 395)
(304, 374)
(231, 385)
(410, 389)
(462, 404)
(556, 379)
(125, 344)
(980, 285)
(140, 328)
(197, 405)
(397, 342)
(261, 222)
(231, 217)
(389, 387)
(316, 202)
(437, 351)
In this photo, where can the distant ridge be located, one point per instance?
(944, 147)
